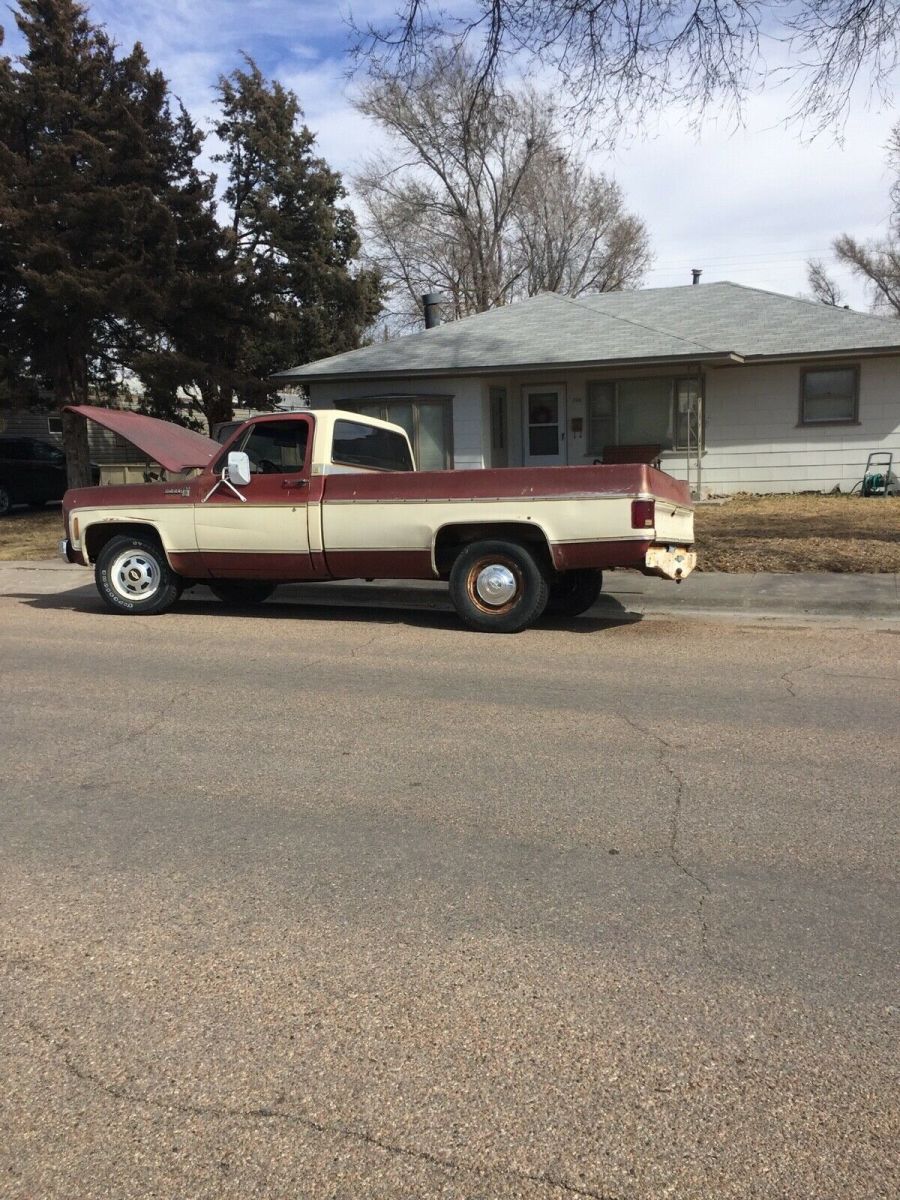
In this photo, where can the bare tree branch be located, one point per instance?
(822, 285)
(878, 264)
(626, 58)
(482, 201)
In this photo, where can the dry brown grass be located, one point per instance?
(26, 534)
(800, 533)
(748, 533)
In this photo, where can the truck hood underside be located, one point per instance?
(172, 446)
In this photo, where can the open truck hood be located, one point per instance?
(172, 446)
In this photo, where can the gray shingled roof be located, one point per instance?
(710, 322)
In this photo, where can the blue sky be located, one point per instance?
(749, 205)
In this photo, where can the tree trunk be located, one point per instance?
(217, 405)
(78, 454)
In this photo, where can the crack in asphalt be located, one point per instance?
(117, 1092)
(152, 725)
(790, 682)
(663, 749)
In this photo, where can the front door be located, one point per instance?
(544, 433)
(265, 535)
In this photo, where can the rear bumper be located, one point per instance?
(669, 562)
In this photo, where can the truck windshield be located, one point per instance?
(368, 446)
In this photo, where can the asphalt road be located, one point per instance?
(354, 903)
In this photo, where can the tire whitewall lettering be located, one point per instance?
(134, 578)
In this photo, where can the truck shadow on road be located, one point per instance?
(607, 614)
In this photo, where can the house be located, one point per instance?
(741, 389)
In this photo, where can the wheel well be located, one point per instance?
(451, 539)
(96, 536)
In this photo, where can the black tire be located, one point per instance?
(134, 578)
(243, 593)
(506, 611)
(574, 592)
(6, 500)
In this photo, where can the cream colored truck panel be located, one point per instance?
(173, 522)
(252, 528)
(414, 524)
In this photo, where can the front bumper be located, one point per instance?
(66, 553)
(670, 562)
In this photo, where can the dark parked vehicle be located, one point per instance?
(32, 472)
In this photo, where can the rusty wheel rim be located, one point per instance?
(494, 585)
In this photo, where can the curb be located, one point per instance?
(626, 594)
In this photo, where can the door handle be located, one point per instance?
(295, 483)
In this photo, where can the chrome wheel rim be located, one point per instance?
(134, 575)
(495, 585)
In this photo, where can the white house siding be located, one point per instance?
(470, 433)
(754, 442)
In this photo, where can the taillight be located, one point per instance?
(643, 514)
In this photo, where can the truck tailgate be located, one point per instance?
(674, 524)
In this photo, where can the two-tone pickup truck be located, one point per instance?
(325, 495)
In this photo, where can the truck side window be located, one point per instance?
(277, 447)
(368, 446)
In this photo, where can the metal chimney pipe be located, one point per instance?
(696, 272)
(431, 303)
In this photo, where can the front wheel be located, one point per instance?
(134, 578)
(241, 592)
(6, 501)
(574, 592)
(498, 587)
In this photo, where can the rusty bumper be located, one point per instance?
(670, 562)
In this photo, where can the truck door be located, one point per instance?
(265, 535)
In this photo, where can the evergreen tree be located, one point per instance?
(96, 181)
(291, 243)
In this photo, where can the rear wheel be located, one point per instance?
(5, 500)
(133, 577)
(498, 587)
(574, 592)
(241, 592)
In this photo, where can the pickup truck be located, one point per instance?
(326, 494)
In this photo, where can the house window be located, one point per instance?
(829, 396)
(429, 423)
(601, 416)
(662, 412)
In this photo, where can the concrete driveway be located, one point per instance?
(354, 903)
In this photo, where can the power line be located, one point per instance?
(767, 254)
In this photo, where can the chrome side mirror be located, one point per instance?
(238, 469)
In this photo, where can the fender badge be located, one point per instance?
(179, 491)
